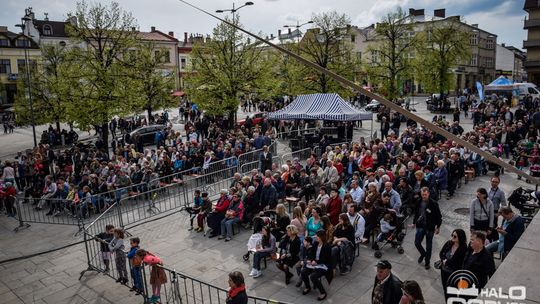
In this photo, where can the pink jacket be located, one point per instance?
(151, 260)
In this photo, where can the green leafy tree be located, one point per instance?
(329, 46)
(390, 52)
(51, 89)
(102, 78)
(153, 81)
(226, 68)
(442, 46)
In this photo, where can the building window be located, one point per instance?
(47, 30)
(474, 59)
(4, 41)
(183, 63)
(23, 42)
(489, 62)
(474, 39)
(353, 38)
(489, 43)
(163, 56)
(5, 66)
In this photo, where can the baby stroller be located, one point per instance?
(395, 238)
(526, 201)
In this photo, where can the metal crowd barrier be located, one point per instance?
(248, 167)
(300, 154)
(179, 289)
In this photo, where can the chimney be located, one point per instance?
(271, 36)
(279, 33)
(152, 29)
(72, 20)
(171, 34)
(503, 44)
(411, 11)
(185, 37)
(441, 13)
(475, 25)
(289, 31)
(3, 29)
(46, 16)
(419, 12)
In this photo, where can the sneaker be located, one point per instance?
(420, 259)
(190, 228)
(427, 266)
(221, 237)
(257, 274)
(253, 272)
(227, 239)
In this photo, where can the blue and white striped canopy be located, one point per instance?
(320, 107)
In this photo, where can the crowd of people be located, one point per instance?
(84, 178)
(347, 197)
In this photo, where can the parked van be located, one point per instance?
(525, 88)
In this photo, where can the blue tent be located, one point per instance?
(500, 84)
(320, 107)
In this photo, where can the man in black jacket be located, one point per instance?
(387, 287)
(478, 260)
(265, 159)
(455, 171)
(428, 220)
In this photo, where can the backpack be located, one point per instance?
(346, 254)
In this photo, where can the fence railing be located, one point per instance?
(302, 155)
(248, 167)
(179, 288)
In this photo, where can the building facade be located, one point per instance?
(480, 67)
(532, 44)
(510, 63)
(13, 48)
(185, 47)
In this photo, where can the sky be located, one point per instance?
(503, 18)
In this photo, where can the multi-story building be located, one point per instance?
(184, 55)
(480, 67)
(510, 62)
(532, 44)
(47, 32)
(12, 62)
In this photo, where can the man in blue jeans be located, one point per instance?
(427, 220)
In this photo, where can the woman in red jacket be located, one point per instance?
(367, 162)
(334, 207)
(218, 213)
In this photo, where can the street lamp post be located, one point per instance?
(233, 10)
(298, 26)
(28, 81)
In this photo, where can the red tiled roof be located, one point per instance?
(156, 36)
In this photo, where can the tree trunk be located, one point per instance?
(105, 137)
(149, 113)
(58, 125)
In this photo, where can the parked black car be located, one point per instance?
(146, 134)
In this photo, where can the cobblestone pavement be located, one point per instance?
(53, 277)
